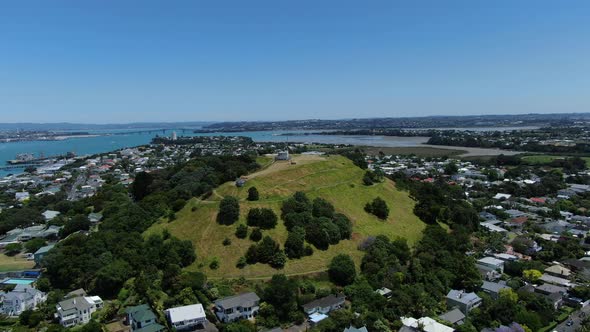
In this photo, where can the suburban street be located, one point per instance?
(575, 317)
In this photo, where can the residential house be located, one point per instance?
(22, 196)
(187, 317)
(463, 301)
(385, 292)
(94, 217)
(491, 264)
(425, 324)
(547, 289)
(41, 253)
(21, 298)
(354, 329)
(493, 228)
(493, 288)
(546, 278)
(325, 304)
(243, 306)
(77, 310)
(141, 318)
(558, 270)
(50, 215)
(455, 317)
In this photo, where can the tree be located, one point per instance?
(242, 231)
(140, 187)
(229, 211)
(295, 243)
(378, 207)
(13, 249)
(253, 194)
(532, 275)
(266, 249)
(322, 208)
(344, 225)
(256, 235)
(252, 254)
(342, 270)
(262, 217)
(77, 223)
(34, 244)
(451, 168)
(281, 294)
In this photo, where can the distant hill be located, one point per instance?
(442, 121)
(333, 178)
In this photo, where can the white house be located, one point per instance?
(425, 324)
(77, 310)
(187, 317)
(21, 298)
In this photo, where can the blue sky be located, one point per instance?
(121, 61)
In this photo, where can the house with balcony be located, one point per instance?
(77, 310)
(21, 298)
(233, 308)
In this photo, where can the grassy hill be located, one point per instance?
(333, 178)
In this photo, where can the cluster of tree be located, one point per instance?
(103, 261)
(268, 252)
(378, 207)
(529, 141)
(229, 211)
(264, 218)
(316, 222)
(372, 177)
(528, 309)
(357, 156)
(440, 202)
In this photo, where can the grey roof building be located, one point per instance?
(243, 306)
(462, 300)
(454, 316)
(493, 288)
(325, 304)
(21, 298)
(77, 310)
(354, 329)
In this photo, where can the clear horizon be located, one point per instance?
(153, 61)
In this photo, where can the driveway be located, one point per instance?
(575, 317)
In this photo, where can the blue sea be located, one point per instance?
(119, 139)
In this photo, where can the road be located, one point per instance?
(80, 180)
(575, 317)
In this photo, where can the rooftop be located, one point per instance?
(241, 300)
(188, 312)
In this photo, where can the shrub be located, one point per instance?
(242, 231)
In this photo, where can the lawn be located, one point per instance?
(414, 150)
(14, 263)
(333, 178)
(545, 158)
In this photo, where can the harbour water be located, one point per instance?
(120, 139)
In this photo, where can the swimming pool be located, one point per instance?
(18, 281)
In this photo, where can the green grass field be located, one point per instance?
(415, 150)
(14, 263)
(333, 178)
(545, 158)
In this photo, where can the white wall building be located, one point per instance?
(187, 317)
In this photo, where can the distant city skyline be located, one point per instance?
(155, 61)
